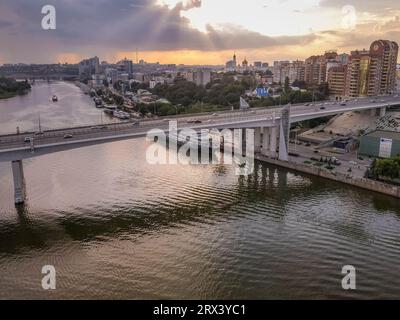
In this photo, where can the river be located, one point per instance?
(72, 109)
(115, 226)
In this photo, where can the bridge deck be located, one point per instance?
(14, 145)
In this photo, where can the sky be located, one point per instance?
(192, 31)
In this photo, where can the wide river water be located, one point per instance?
(115, 226)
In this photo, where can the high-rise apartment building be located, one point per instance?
(383, 62)
(298, 71)
(278, 70)
(201, 77)
(127, 65)
(285, 69)
(373, 72)
(358, 73)
(316, 67)
(337, 81)
(314, 70)
(89, 67)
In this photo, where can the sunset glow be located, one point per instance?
(195, 31)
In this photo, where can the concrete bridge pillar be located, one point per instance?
(257, 140)
(273, 140)
(373, 112)
(19, 182)
(265, 141)
(382, 111)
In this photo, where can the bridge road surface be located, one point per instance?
(228, 119)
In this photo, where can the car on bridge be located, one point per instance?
(68, 136)
(28, 139)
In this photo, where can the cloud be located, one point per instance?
(373, 6)
(191, 4)
(100, 26)
(105, 27)
(361, 37)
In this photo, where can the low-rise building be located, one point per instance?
(380, 144)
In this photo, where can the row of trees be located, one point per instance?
(10, 87)
(288, 95)
(164, 109)
(223, 92)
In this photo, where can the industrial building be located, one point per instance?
(380, 144)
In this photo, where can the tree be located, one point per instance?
(10, 87)
(287, 85)
(389, 168)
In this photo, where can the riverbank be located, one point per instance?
(8, 95)
(367, 184)
(11, 88)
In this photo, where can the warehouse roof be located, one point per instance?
(385, 134)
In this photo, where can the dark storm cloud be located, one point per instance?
(90, 26)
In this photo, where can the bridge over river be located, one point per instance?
(266, 122)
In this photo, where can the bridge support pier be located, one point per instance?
(373, 112)
(257, 140)
(19, 182)
(265, 141)
(382, 111)
(273, 140)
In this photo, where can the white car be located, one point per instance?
(27, 139)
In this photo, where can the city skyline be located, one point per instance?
(191, 32)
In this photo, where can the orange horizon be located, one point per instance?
(198, 57)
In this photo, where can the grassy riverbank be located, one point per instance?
(10, 88)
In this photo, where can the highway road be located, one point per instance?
(226, 119)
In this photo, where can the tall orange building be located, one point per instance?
(368, 72)
(358, 70)
(373, 72)
(382, 73)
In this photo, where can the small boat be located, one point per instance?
(54, 98)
